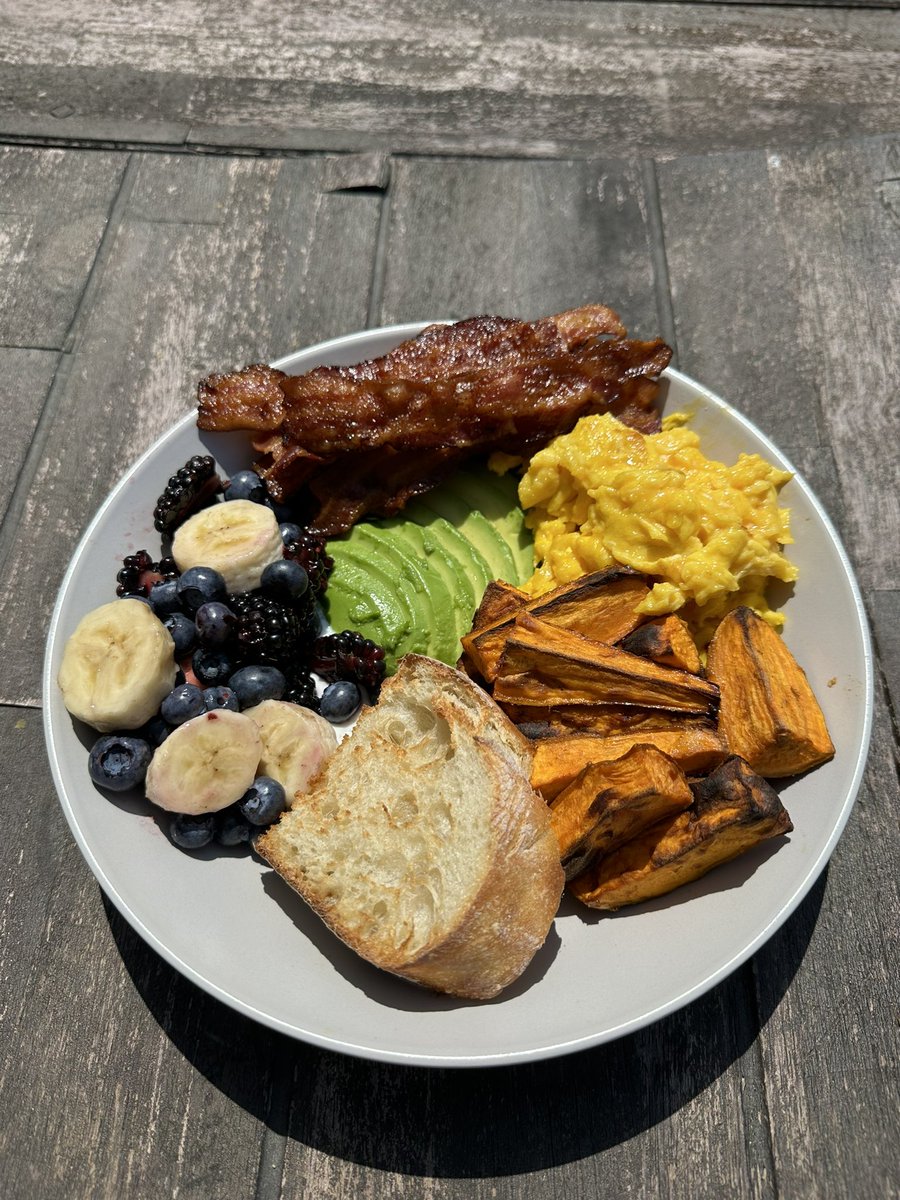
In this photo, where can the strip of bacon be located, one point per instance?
(363, 440)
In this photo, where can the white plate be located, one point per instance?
(231, 925)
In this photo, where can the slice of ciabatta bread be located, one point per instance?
(422, 843)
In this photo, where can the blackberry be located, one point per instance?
(139, 572)
(270, 632)
(192, 487)
(349, 655)
(309, 551)
(302, 690)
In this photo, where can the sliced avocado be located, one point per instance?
(429, 598)
(448, 537)
(496, 496)
(368, 594)
(484, 507)
(457, 581)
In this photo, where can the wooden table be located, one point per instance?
(187, 187)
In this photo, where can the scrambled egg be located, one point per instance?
(710, 534)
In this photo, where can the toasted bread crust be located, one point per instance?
(516, 894)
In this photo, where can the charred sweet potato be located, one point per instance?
(607, 720)
(768, 715)
(601, 606)
(543, 665)
(558, 760)
(610, 803)
(500, 602)
(733, 810)
(666, 640)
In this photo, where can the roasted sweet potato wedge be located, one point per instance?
(558, 760)
(733, 810)
(609, 803)
(542, 665)
(769, 715)
(606, 720)
(600, 605)
(500, 602)
(666, 640)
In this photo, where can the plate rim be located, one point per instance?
(536, 1052)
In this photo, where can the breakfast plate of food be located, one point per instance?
(461, 693)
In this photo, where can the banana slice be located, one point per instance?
(117, 666)
(236, 537)
(205, 764)
(295, 743)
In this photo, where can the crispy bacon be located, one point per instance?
(364, 439)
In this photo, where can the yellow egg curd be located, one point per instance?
(709, 534)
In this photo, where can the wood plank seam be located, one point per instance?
(22, 489)
(379, 265)
(657, 242)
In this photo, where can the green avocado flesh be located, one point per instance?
(412, 583)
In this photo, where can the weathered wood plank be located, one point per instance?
(25, 377)
(469, 236)
(885, 616)
(831, 1044)
(604, 1123)
(54, 206)
(784, 282)
(539, 78)
(100, 1094)
(781, 267)
(215, 262)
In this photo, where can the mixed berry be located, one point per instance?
(236, 650)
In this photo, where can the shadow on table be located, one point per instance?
(482, 1122)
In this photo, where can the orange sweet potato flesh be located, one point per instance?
(734, 809)
(500, 602)
(542, 665)
(558, 760)
(768, 714)
(666, 640)
(600, 605)
(609, 803)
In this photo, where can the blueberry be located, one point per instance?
(254, 684)
(233, 828)
(155, 731)
(119, 763)
(290, 532)
(192, 833)
(282, 512)
(284, 579)
(246, 485)
(263, 801)
(199, 585)
(340, 701)
(183, 631)
(182, 703)
(212, 667)
(164, 598)
(215, 622)
(220, 697)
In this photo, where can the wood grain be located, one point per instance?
(781, 276)
(212, 263)
(54, 207)
(118, 1078)
(537, 78)
(782, 268)
(520, 238)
